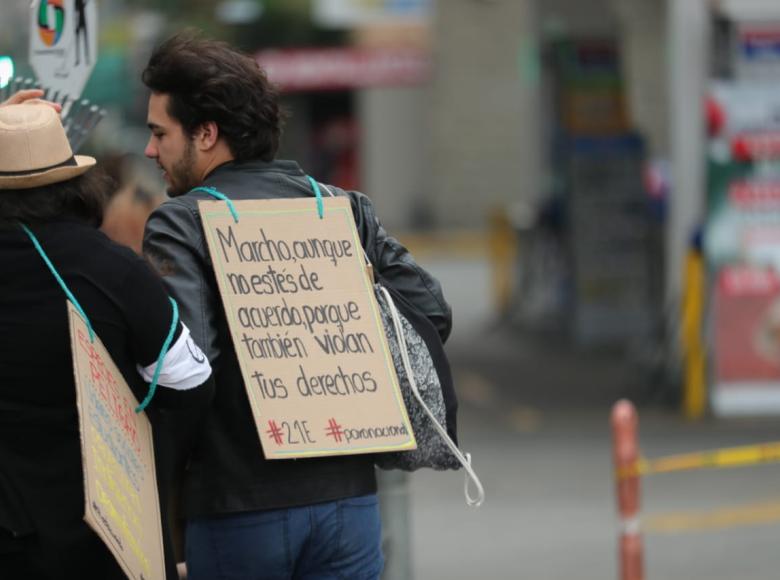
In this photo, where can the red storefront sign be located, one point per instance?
(746, 369)
(310, 69)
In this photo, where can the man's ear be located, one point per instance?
(207, 135)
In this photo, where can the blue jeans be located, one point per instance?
(328, 541)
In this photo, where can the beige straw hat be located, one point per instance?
(34, 150)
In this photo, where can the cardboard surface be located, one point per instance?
(120, 482)
(306, 328)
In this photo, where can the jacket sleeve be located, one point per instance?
(175, 246)
(397, 266)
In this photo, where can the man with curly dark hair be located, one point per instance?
(215, 121)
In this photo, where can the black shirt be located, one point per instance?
(41, 481)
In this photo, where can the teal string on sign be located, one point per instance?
(163, 352)
(59, 279)
(214, 193)
(221, 196)
(320, 206)
(72, 298)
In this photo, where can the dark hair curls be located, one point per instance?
(207, 80)
(82, 198)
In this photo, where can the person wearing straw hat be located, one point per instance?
(215, 121)
(51, 203)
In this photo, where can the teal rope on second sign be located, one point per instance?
(59, 279)
(72, 298)
(163, 352)
(315, 186)
(214, 193)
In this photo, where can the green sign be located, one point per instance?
(6, 70)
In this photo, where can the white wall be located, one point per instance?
(485, 144)
(393, 152)
(643, 45)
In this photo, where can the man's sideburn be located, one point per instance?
(182, 174)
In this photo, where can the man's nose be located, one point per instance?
(151, 150)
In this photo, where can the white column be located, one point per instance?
(688, 66)
(643, 41)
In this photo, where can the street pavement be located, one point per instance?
(535, 415)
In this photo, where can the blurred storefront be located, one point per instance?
(742, 243)
(353, 120)
(599, 157)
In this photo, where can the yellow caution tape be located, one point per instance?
(715, 459)
(755, 513)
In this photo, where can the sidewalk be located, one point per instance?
(535, 416)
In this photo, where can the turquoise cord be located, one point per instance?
(166, 345)
(316, 188)
(214, 193)
(72, 298)
(59, 279)
(221, 196)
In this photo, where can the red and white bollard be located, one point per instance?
(625, 424)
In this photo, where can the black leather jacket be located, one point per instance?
(228, 472)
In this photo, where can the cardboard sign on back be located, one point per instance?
(306, 328)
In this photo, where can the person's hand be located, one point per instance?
(30, 96)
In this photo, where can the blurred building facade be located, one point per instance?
(569, 116)
(444, 112)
